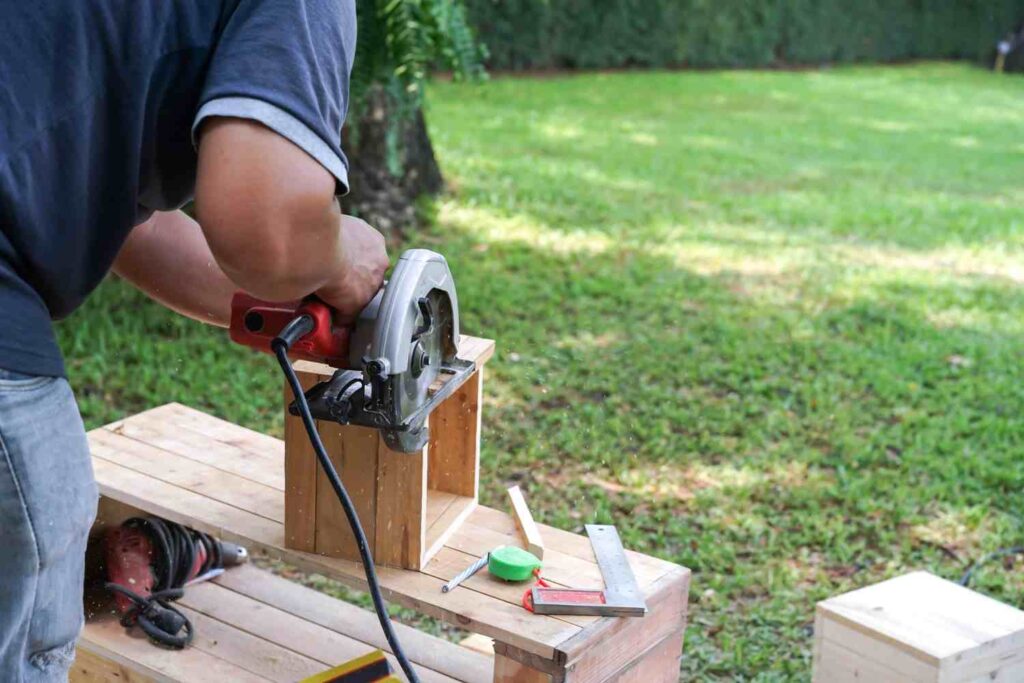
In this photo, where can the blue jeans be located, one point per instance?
(48, 502)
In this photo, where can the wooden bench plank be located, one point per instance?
(559, 567)
(260, 656)
(279, 644)
(491, 527)
(658, 664)
(90, 667)
(356, 623)
(224, 431)
(162, 434)
(105, 638)
(180, 505)
(169, 467)
(467, 609)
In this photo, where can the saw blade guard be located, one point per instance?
(418, 273)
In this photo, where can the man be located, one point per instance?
(114, 114)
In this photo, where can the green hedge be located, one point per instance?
(535, 34)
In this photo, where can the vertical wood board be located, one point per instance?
(454, 448)
(510, 671)
(401, 507)
(300, 476)
(659, 664)
(353, 452)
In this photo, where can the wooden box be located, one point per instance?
(408, 503)
(917, 628)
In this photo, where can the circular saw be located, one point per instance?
(395, 365)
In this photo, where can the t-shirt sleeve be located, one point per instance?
(286, 64)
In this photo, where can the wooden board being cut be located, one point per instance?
(408, 503)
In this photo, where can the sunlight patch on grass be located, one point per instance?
(489, 226)
(668, 482)
(886, 126)
(967, 263)
(705, 142)
(706, 258)
(561, 130)
(961, 318)
(645, 139)
(588, 341)
(963, 532)
(965, 141)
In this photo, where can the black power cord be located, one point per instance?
(965, 580)
(292, 332)
(173, 559)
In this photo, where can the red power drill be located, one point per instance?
(149, 561)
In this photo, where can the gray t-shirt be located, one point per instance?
(99, 101)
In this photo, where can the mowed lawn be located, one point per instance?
(769, 324)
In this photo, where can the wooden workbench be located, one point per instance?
(217, 477)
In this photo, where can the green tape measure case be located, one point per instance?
(512, 564)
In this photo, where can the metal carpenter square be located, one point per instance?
(620, 586)
(621, 596)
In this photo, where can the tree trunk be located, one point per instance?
(384, 199)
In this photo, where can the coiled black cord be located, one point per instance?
(174, 555)
(292, 332)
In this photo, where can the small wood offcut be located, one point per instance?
(240, 485)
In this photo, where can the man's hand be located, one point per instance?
(362, 273)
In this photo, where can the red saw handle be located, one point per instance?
(255, 323)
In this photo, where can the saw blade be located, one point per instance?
(427, 356)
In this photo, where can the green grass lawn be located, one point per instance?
(769, 324)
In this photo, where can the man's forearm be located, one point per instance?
(167, 257)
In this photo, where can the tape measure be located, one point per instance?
(512, 564)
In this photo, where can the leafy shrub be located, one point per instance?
(722, 33)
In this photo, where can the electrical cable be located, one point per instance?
(292, 332)
(1002, 552)
(173, 558)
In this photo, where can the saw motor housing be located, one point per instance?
(395, 365)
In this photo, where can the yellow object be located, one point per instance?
(372, 666)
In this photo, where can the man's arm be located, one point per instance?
(167, 258)
(271, 219)
(269, 224)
